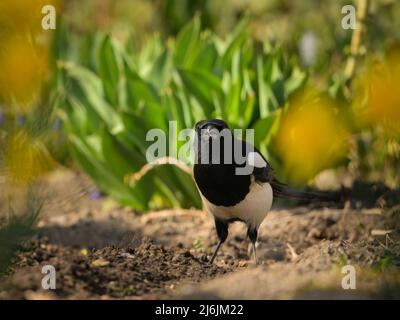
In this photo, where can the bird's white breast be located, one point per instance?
(252, 209)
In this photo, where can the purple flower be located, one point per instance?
(95, 195)
(57, 124)
(20, 120)
(1, 117)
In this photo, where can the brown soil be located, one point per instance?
(103, 251)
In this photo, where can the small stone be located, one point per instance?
(243, 263)
(100, 262)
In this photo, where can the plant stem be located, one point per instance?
(362, 11)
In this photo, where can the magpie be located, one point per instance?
(236, 182)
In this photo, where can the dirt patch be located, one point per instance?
(316, 274)
(110, 272)
(101, 250)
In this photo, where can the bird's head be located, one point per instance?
(212, 138)
(210, 129)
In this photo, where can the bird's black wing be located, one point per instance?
(261, 169)
(280, 190)
(265, 173)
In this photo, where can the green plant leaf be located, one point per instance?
(266, 128)
(86, 88)
(109, 70)
(161, 71)
(238, 37)
(203, 85)
(267, 100)
(187, 44)
(106, 180)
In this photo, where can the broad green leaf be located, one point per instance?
(202, 85)
(106, 180)
(296, 80)
(145, 59)
(173, 109)
(262, 88)
(135, 132)
(266, 128)
(89, 51)
(247, 111)
(87, 89)
(238, 36)
(233, 103)
(267, 100)
(160, 73)
(186, 109)
(109, 70)
(207, 55)
(187, 44)
(120, 161)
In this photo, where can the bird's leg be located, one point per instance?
(222, 233)
(252, 234)
(215, 251)
(254, 252)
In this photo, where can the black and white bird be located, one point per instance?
(236, 182)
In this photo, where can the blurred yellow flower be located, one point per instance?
(23, 68)
(311, 137)
(21, 16)
(26, 159)
(24, 52)
(377, 94)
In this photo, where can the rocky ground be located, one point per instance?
(103, 251)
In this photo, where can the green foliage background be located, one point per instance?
(116, 94)
(236, 60)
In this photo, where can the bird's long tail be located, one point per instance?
(282, 191)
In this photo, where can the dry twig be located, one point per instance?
(133, 179)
